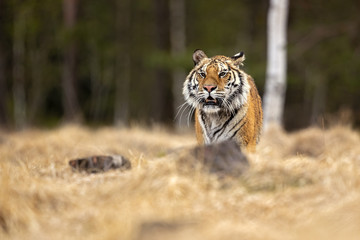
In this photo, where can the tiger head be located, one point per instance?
(216, 84)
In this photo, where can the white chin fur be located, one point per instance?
(211, 109)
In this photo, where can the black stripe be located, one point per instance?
(203, 119)
(240, 76)
(238, 130)
(239, 89)
(231, 80)
(237, 123)
(190, 79)
(217, 131)
(225, 124)
(237, 92)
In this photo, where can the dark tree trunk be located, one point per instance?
(70, 99)
(178, 42)
(19, 96)
(3, 115)
(162, 107)
(3, 95)
(38, 83)
(319, 100)
(123, 62)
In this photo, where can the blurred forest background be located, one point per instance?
(122, 61)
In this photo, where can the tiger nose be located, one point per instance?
(209, 88)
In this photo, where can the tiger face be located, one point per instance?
(216, 84)
(225, 99)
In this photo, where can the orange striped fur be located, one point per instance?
(226, 101)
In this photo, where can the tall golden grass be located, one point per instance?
(303, 185)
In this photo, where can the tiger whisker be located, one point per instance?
(189, 116)
(187, 109)
(197, 101)
(181, 109)
(232, 109)
(229, 106)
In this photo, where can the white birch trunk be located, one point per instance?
(178, 42)
(275, 86)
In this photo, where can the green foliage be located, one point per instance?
(323, 53)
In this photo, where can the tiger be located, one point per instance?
(225, 99)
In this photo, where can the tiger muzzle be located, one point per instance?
(211, 101)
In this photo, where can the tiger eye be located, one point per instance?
(222, 74)
(202, 74)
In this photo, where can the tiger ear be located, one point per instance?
(198, 55)
(239, 58)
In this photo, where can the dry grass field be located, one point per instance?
(303, 185)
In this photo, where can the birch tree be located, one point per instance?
(275, 86)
